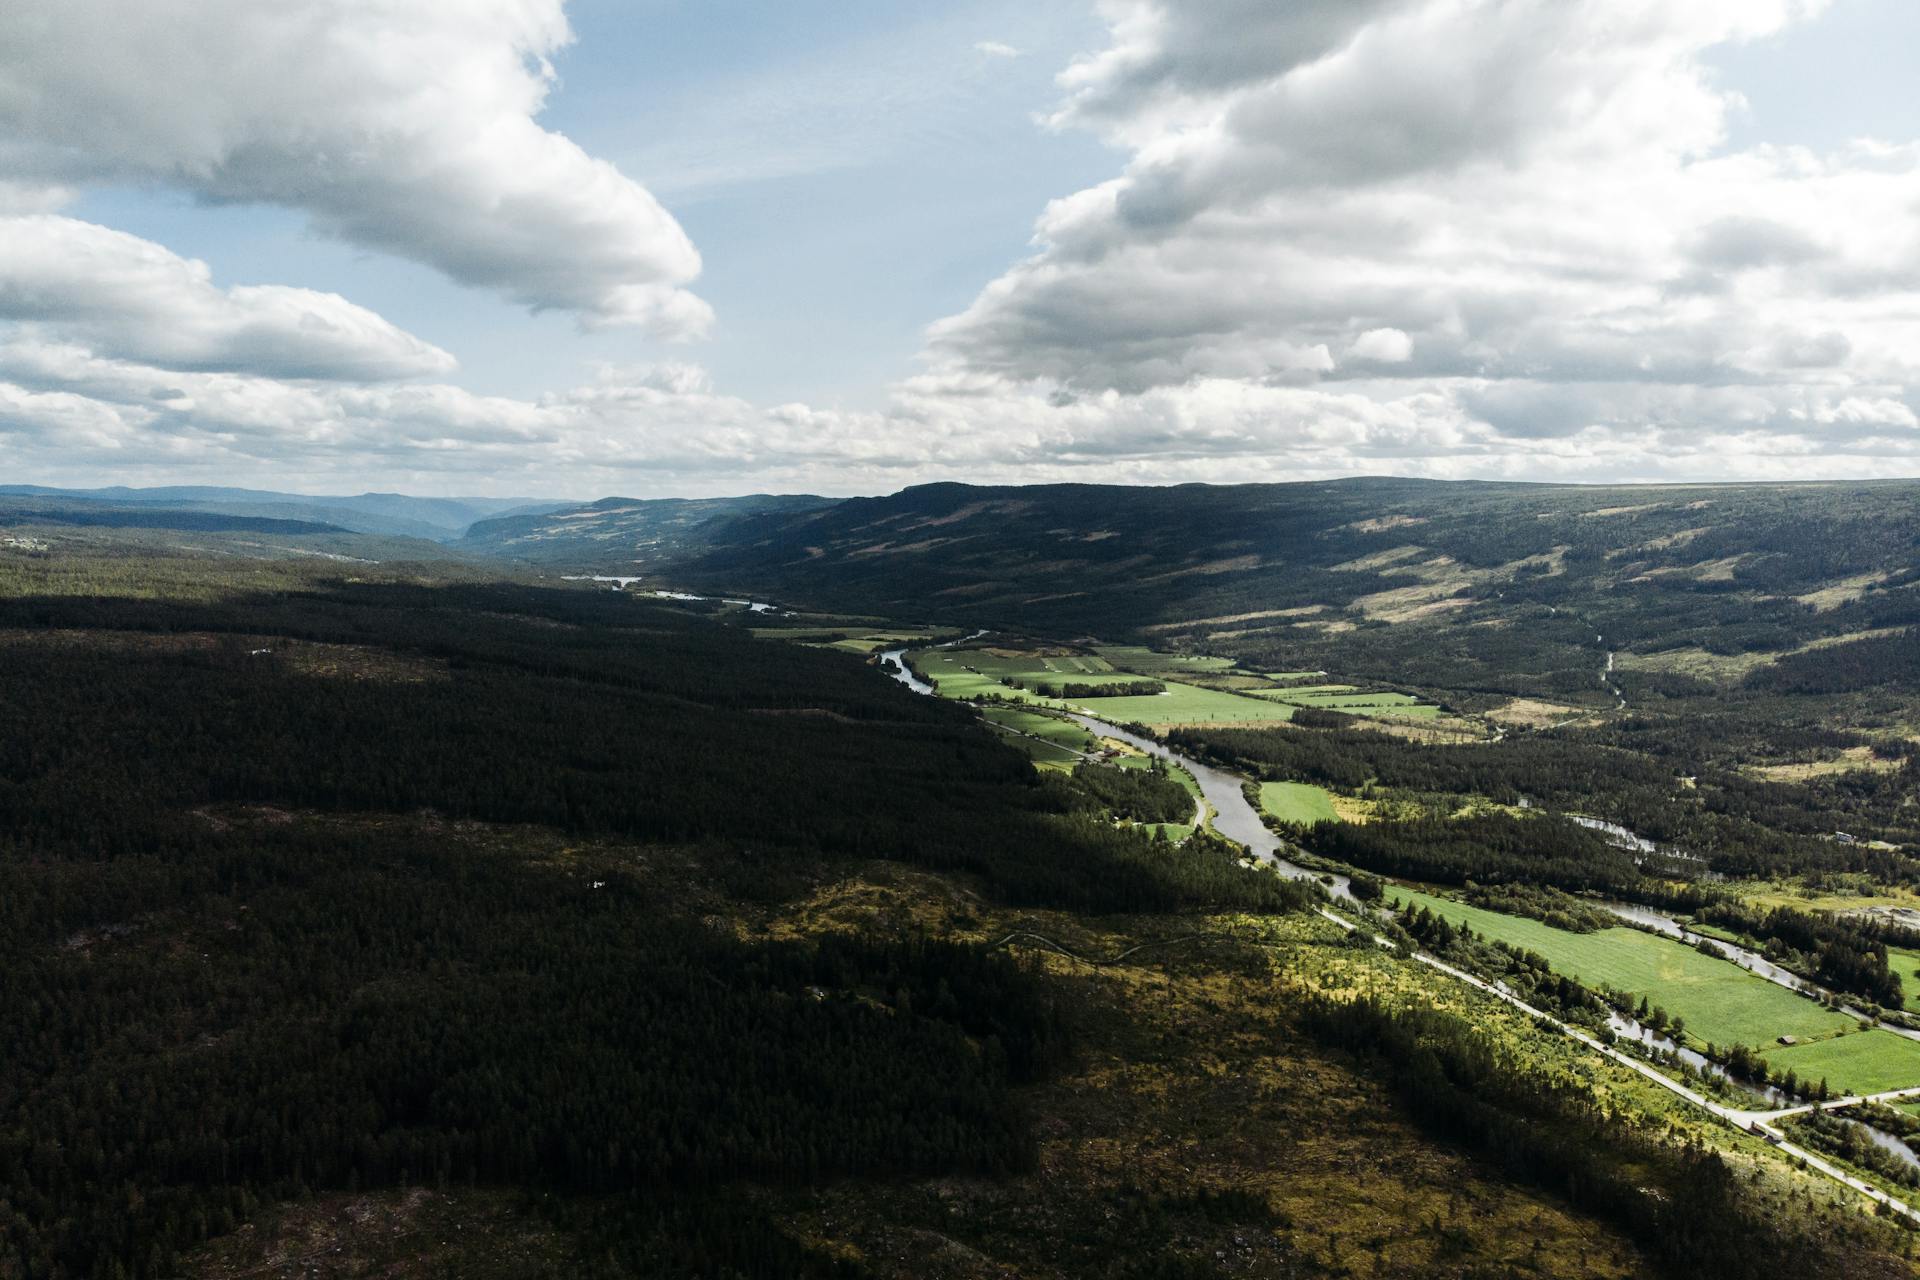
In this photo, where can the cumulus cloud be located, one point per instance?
(130, 298)
(996, 49)
(1451, 238)
(1524, 208)
(1382, 346)
(407, 128)
(65, 413)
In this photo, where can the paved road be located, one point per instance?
(1755, 1122)
(1223, 789)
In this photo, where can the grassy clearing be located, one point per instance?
(1343, 700)
(1146, 662)
(1866, 1062)
(1049, 741)
(970, 673)
(1049, 756)
(1174, 771)
(1906, 963)
(1720, 1001)
(1053, 729)
(1187, 704)
(1297, 802)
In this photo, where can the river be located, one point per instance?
(1233, 817)
(1236, 819)
(621, 584)
(1752, 961)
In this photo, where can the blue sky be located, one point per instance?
(846, 246)
(851, 171)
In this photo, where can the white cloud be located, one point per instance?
(129, 298)
(1524, 209)
(996, 49)
(1382, 346)
(407, 128)
(1494, 238)
(66, 415)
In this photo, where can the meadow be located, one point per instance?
(971, 673)
(1146, 662)
(1867, 1062)
(1297, 802)
(1906, 963)
(1721, 1002)
(1047, 740)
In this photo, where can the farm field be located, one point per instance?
(1865, 1062)
(1340, 700)
(1187, 704)
(1297, 802)
(955, 675)
(1046, 754)
(1146, 662)
(1720, 1001)
(1348, 698)
(1054, 729)
(1906, 963)
(969, 673)
(1047, 739)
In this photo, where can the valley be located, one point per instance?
(1542, 911)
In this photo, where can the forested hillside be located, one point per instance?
(624, 535)
(309, 884)
(389, 514)
(414, 918)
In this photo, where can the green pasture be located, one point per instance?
(1342, 700)
(1720, 1001)
(1297, 802)
(1906, 964)
(1063, 733)
(1034, 665)
(969, 673)
(1186, 704)
(1866, 1062)
(1146, 662)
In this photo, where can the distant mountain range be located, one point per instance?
(628, 535)
(389, 514)
(1300, 568)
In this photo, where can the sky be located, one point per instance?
(659, 247)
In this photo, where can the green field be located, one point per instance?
(1867, 1062)
(1047, 740)
(1060, 732)
(1297, 802)
(1338, 700)
(1146, 662)
(970, 673)
(1906, 964)
(1720, 1001)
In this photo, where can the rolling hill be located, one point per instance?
(621, 535)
